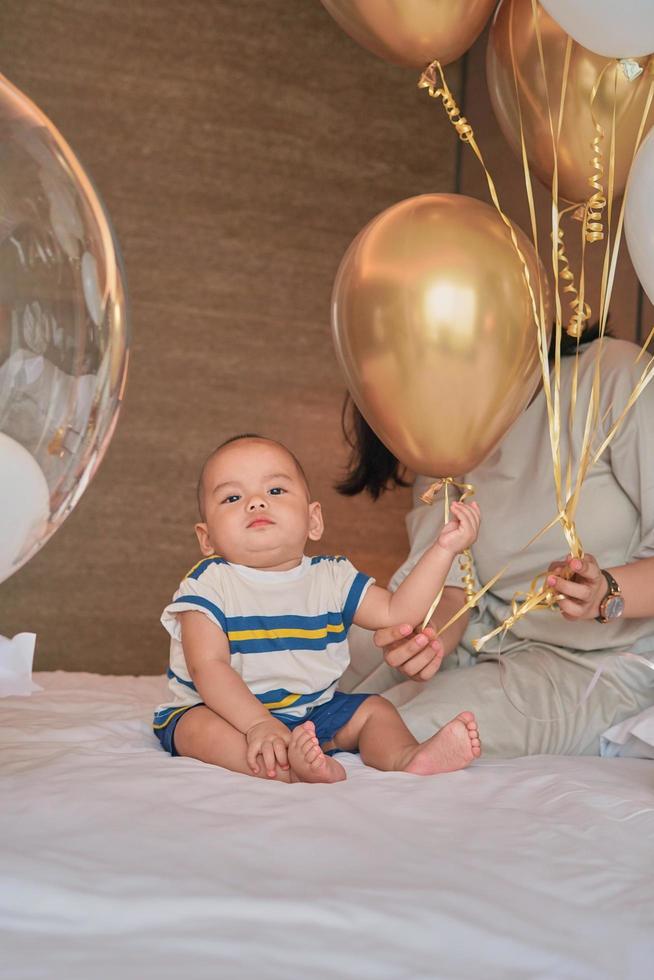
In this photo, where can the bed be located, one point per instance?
(118, 861)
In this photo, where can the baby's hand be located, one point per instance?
(269, 739)
(462, 529)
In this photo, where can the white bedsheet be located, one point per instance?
(116, 861)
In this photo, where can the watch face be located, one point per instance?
(614, 607)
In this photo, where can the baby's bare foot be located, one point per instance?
(308, 762)
(454, 747)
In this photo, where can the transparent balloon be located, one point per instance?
(64, 332)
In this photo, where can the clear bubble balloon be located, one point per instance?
(63, 330)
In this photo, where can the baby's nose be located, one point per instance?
(256, 503)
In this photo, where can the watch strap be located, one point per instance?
(613, 590)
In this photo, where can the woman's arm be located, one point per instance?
(452, 600)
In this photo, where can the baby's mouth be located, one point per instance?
(260, 522)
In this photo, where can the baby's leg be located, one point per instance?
(386, 743)
(453, 747)
(202, 734)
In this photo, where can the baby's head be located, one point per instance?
(255, 506)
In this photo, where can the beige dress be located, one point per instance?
(536, 700)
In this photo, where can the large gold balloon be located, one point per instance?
(435, 332)
(412, 32)
(514, 22)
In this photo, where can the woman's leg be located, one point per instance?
(535, 682)
(204, 735)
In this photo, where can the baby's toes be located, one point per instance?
(305, 739)
(314, 755)
(305, 735)
(310, 746)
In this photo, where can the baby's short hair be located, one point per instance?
(238, 438)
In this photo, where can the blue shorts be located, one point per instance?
(328, 718)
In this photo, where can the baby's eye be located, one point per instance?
(233, 497)
(276, 491)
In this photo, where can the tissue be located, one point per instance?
(16, 657)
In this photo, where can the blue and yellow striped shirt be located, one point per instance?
(287, 631)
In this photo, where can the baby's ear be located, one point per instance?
(202, 533)
(316, 523)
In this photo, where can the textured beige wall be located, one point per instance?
(239, 146)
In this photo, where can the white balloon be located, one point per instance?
(24, 505)
(639, 214)
(613, 28)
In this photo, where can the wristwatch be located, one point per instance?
(612, 605)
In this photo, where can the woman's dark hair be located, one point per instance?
(373, 468)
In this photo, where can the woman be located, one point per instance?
(537, 699)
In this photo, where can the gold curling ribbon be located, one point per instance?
(467, 577)
(643, 349)
(473, 600)
(465, 560)
(587, 458)
(581, 311)
(551, 385)
(436, 89)
(429, 80)
(593, 223)
(593, 227)
(446, 481)
(540, 597)
(592, 420)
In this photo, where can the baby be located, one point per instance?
(259, 633)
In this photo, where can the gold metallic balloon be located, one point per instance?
(514, 20)
(412, 32)
(434, 330)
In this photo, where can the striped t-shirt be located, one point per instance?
(287, 631)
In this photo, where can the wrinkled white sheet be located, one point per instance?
(632, 738)
(116, 861)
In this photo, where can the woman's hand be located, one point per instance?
(416, 654)
(582, 590)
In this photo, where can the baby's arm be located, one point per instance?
(206, 651)
(411, 601)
